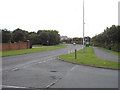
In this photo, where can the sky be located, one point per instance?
(66, 16)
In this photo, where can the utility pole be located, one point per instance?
(83, 26)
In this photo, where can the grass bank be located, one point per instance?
(89, 58)
(33, 50)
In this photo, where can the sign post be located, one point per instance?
(75, 54)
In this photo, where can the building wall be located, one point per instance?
(14, 46)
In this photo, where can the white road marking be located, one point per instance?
(15, 69)
(52, 83)
(49, 59)
(73, 67)
(39, 62)
(6, 86)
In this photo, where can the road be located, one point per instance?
(44, 70)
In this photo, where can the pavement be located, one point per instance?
(100, 53)
(43, 70)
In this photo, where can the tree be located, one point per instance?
(19, 35)
(54, 37)
(6, 36)
(0, 36)
(43, 37)
(109, 38)
(48, 37)
(33, 37)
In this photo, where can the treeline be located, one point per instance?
(108, 39)
(43, 37)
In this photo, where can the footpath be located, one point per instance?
(100, 53)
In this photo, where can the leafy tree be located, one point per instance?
(109, 38)
(0, 36)
(33, 37)
(43, 37)
(48, 37)
(19, 35)
(6, 36)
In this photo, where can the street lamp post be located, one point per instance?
(83, 25)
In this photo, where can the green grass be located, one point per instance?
(37, 45)
(113, 52)
(33, 50)
(89, 58)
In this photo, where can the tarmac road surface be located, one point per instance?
(100, 53)
(44, 70)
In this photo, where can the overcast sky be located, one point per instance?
(66, 16)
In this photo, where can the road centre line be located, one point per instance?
(16, 67)
(47, 60)
(39, 62)
(25, 65)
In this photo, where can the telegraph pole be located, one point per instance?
(83, 26)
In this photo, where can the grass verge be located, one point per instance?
(33, 50)
(37, 45)
(89, 58)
